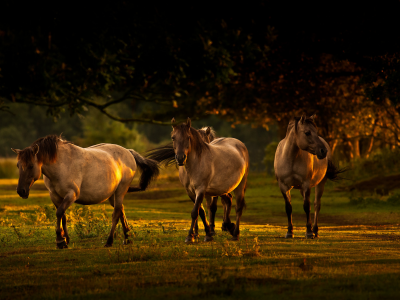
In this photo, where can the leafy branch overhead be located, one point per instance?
(257, 62)
(121, 52)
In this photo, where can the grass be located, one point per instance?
(356, 257)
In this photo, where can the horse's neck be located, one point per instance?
(291, 150)
(192, 163)
(52, 170)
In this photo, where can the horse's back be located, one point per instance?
(103, 169)
(229, 164)
(229, 146)
(113, 152)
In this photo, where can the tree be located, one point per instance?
(64, 58)
(260, 63)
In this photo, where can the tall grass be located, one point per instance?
(8, 168)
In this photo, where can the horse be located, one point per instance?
(303, 160)
(166, 156)
(83, 175)
(213, 169)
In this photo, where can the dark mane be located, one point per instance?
(48, 147)
(293, 123)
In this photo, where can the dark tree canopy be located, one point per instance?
(251, 62)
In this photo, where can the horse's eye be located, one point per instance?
(308, 133)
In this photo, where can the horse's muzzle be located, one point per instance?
(180, 159)
(23, 193)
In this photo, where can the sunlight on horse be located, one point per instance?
(83, 175)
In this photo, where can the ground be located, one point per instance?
(357, 255)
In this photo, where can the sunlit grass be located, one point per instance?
(356, 255)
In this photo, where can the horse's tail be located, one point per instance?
(332, 172)
(164, 155)
(149, 169)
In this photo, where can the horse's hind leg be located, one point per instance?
(118, 214)
(227, 225)
(319, 190)
(240, 204)
(288, 207)
(124, 221)
(307, 209)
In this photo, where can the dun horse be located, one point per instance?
(213, 169)
(83, 175)
(166, 155)
(304, 160)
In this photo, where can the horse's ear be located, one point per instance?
(313, 117)
(208, 130)
(37, 150)
(189, 123)
(16, 150)
(173, 122)
(303, 119)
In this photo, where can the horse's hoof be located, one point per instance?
(127, 242)
(309, 235)
(231, 228)
(108, 245)
(189, 239)
(62, 245)
(208, 238)
(228, 226)
(234, 238)
(67, 237)
(316, 235)
(289, 235)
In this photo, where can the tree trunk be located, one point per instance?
(356, 148)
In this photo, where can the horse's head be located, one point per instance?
(307, 137)
(29, 169)
(181, 141)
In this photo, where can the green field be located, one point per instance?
(356, 257)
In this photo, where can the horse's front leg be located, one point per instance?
(207, 228)
(195, 215)
(319, 190)
(212, 209)
(62, 235)
(285, 190)
(305, 192)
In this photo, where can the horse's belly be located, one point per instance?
(88, 201)
(219, 185)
